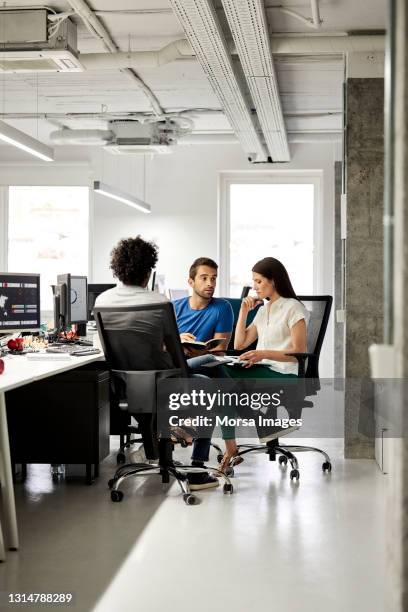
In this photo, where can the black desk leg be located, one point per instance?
(89, 479)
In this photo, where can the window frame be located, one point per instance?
(288, 177)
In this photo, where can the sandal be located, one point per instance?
(179, 435)
(230, 461)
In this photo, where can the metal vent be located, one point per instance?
(249, 27)
(205, 35)
(137, 149)
(25, 50)
(67, 63)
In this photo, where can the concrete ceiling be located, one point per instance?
(307, 85)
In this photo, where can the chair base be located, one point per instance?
(125, 442)
(177, 472)
(273, 449)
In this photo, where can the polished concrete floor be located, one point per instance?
(314, 546)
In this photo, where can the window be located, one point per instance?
(269, 219)
(48, 233)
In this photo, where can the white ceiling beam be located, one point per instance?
(249, 28)
(203, 30)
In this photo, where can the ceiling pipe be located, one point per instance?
(229, 139)
(316, 14)
(313, 22)
(142, 117)
(96, 28)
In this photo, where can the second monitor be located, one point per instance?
(95, 289)
(71, 300)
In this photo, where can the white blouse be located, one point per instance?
(273, 323)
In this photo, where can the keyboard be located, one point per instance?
(72, 349)
(49, 356)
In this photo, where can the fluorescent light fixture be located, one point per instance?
(121, 196)
(249, 27)
(23, 141)
(204, 32)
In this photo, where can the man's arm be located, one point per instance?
(223, 345)
(226, 322)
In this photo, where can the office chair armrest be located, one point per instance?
(301, 359)
(234, 352)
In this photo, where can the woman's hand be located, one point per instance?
(252, 357)
(249, 303)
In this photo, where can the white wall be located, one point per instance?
(182, 189)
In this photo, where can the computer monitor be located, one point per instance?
(152, 281)
(19, 302)
(79, 299)
(95, 289)
(70, 300)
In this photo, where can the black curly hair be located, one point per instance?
(133, 259)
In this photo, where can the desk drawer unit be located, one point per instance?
(61, 419)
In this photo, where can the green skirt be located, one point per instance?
(255, 371)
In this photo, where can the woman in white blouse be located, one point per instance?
(279, 327)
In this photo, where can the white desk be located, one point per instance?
(20, 371)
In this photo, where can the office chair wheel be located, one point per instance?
(120, 458)
(189, 499)
(327, 466)
(294, 474)
(228, 488)
(283, 460)
(220, 457)
(116, 496)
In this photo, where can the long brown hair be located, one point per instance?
(273, 269)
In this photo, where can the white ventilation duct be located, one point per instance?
(181, 50)
(313, 45)
(176, 50)
(205, 35)
(249, 27)
(106, 137)
(81, 137)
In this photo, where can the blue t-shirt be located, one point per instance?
(216, 318)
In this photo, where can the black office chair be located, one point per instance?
(319, 308)
(142, 346)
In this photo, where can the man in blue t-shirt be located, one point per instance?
(202, 316)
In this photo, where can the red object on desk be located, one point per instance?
(16, 344)
(1, 366)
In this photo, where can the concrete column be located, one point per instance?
(364, 248)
